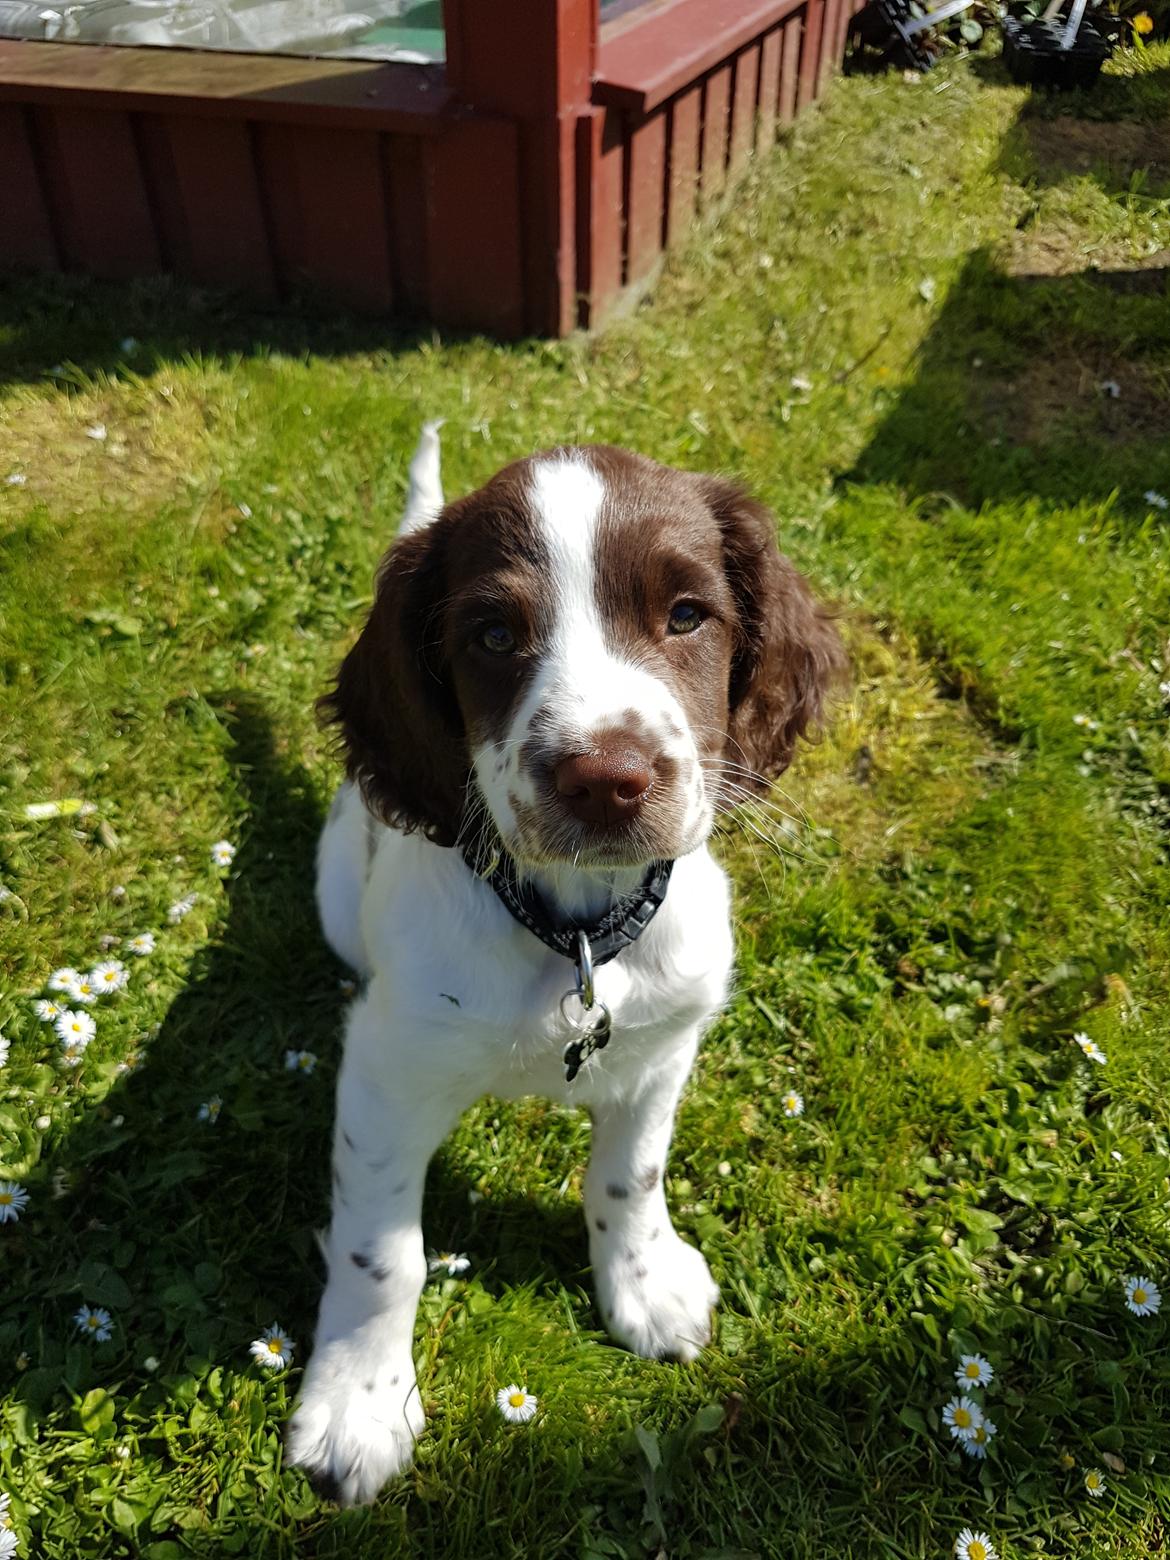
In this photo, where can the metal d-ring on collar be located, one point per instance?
(589, 947)
(594, 1023)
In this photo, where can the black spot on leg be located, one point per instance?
(397, 1191)
(380, 1275)
(359, 1259)
(639, 1273)
(378, 1165)
(369, 1386)
(393, 1381)
(616, 1191)
(649, 1180)
(654, 1234)
(601, 1225)
(348, 1141)
(325, 1485)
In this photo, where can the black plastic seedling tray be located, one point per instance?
(1035, 55)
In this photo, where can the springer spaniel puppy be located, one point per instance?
(563, 678)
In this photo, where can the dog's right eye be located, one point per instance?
(498, 638)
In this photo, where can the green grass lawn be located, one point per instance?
(897, 335)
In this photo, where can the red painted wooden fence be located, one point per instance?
(526, 187)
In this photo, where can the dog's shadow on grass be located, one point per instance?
(196, 1228)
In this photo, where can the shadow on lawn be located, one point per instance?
(1043, 376)
(57, 322)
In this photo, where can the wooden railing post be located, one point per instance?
(532, 61)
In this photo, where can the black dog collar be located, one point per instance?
(615, 930)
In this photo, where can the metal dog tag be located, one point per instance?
(593, 1020)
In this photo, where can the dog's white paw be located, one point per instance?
(657, 1299)
(355, 1426)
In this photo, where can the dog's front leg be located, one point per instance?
(360, 1409)
(656, 1292)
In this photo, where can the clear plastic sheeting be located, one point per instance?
(402, 30)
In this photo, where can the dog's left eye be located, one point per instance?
(498, 638)
(684, 618)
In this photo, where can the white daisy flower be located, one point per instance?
(1090, 1048)
(222, 853)
(1095, 1483)
(210, 1109)
(84, 990)
(973, 1371)
(75, 1028)
(72, 1055)
(274, 1348)
(94, 1323)
(793, 1104)
(47, 1010)
(1155, 499)
(300, 1061)
(962, 1417)
(447, 1262)
(110, 976)
(516, 1404)
(9, 1543)
(976, 1445)
(4, 1499)
(180, 908)
(974, 1546)
(142, 944)
(13, 1201)
(1142, 1296)
(5, 1046)
(63, 979)
(150, 1363)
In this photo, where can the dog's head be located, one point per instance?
(599, 650)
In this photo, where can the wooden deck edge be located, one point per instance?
(342, 93)
(654, 58)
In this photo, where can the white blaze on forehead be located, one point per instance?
(566, 498)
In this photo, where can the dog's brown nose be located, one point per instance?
(605, 786)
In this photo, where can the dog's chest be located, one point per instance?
(486, 994)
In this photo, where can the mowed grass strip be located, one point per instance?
(897, 335)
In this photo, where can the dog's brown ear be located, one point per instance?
(397, 716)
(788, 652)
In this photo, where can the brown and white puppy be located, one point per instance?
(578, 665)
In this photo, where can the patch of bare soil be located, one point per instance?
(1116, 150)
(1060, 249)
(1073, 392)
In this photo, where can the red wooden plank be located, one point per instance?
(24, 217)
(659, 54)
(810, 53)
(599, 212)
(716, 125)
(224, 85)
(207, 201)
(324, 195)
(743, 108)
(474, 263)
(831, 24)
(94, 184)
(790, 68)
(768, 103)
(645, 195)
(685, 124)
(406, 220)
